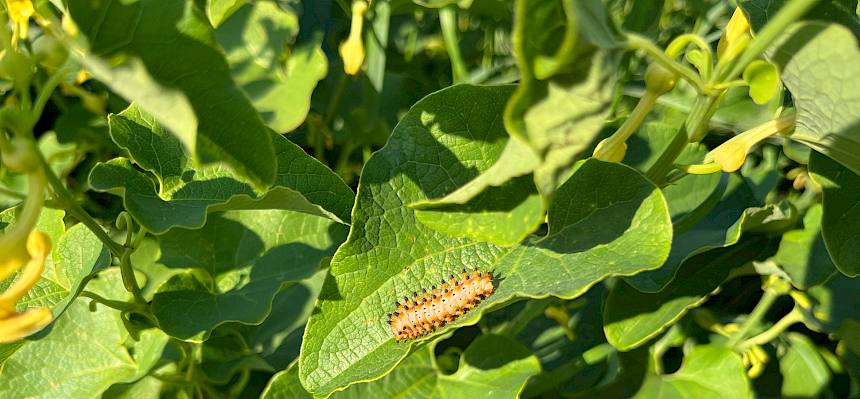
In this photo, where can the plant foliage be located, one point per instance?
(227, 198)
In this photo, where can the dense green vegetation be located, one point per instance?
(225, 198)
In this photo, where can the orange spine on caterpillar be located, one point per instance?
(432, 309)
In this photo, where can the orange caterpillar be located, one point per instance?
(434, 308)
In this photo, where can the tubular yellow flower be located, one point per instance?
(13, 244)
(735, 37)
(732, 154)
(658, 81)
(23, 324)
(15, 325)
(39, 247)
(352, 49)
(20, 12)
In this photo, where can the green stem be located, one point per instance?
(343, 159)
(636, 42)
(118, 305)
(795, 316)
(788, 14)
(764, 304)
(636, 117)
(68, 202)
(128, 279)
(696, 123)
(448, 22)
(45, 94)
(334, 102)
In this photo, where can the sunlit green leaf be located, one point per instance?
(255, 37)
(607, 219)
(178, 194)
(820, 63)
(84, 354)
(132, 48)
(707, 372)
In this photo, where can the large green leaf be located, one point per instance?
(502, 215)
(840, 223)
(84, 354)
(567, 56)
(607, 219)
(235, 265)
(804, 373)
(181, 194)
(820, 64)
(286, 385)
(632, 317)
(255, 37)
(802, 253)
(492, 366)
(707, 372)
(499, 205)
(165, 57)
(734, 216)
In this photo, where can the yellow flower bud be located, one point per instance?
(732, 154)
(736, 33)
(610, 150)
(352, 49)
(757, 359)
(70, 26)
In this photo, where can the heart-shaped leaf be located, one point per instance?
(607, 219)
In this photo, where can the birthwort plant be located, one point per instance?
(429, 198)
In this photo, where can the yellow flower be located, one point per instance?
(755, 359)
(23, 324)
(13, 244)
(39, 247)
(352, 49)
(732, 154)
(735, 37)
(16, 325)
(20, 12)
